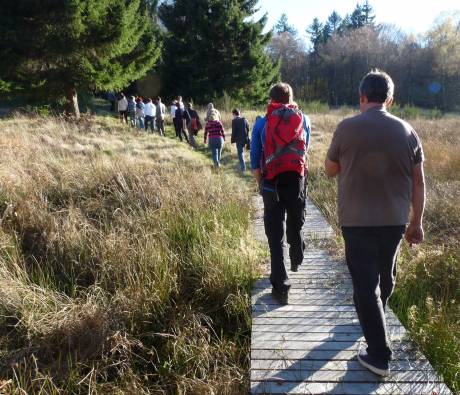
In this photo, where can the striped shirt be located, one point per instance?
(214, 129)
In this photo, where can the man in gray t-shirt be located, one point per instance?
(379, 160)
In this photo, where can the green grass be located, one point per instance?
(125, 263)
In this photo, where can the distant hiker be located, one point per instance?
(173, 116)
(160, 116)
(132, 111)
(215, 133)
(150, 112)
(179, 122)
(140, 113)
(212, 112)
(379, 160)
(279, 145)
(180, 103)
(240, 136)
(123, 108)
(193, 123)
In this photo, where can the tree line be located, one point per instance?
(204, 49)
(426, 68)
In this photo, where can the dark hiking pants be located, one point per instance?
(371, 254)
(284, 202)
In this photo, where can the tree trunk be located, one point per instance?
(71, 108)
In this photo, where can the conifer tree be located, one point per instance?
(368, 13)
(334, 20)
(213, 47)
(283, 26)
(315, 31)
(58, 48)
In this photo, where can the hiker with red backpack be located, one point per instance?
(279, 145)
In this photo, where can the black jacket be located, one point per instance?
(240, 131)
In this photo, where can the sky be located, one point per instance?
(411, 16)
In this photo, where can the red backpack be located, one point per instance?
(285, 145)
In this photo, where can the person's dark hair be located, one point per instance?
(281, 93)
(377, 86)
(236, 112)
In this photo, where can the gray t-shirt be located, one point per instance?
(376, 152)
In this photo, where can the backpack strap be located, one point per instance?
(285, 150)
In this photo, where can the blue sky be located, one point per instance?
(411, 15)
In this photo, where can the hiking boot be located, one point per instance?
(294, 267)
(280, 296)
(377, 367)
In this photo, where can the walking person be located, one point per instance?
(132, 111)
(140, 113)
(379, 160)
(215, 133)
(150, 111)
(160, 116)
(179, 122)
(173, 116)
(279, 145)
(122, 106)
(240, 136)
(211, 111)
(193, 123)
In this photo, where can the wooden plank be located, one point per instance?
(373, 388)
(312, 321)
(319, 293)
(344, 376)
(306, 308)
(328, 355)
(326, 365)
(305, 314)
(329, 345)
(321, 336)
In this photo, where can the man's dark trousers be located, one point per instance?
(371, 254)
(285, 196)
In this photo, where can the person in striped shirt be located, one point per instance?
(214, 133)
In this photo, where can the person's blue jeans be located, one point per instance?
(240, 149)
(140, 122)
(215, 145)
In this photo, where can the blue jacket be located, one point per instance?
(258, 139)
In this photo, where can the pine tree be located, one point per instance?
(213, 47)
(315, 31)
(357, 18)
(57, 48)
(283, 26)
(368, 15)
(334, 20)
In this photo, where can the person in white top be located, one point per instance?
(150, 111)
(160, 116)
(123, 108)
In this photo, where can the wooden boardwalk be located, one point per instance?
(309, 346)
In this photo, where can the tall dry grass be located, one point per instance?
(125, 263)
(427, 296)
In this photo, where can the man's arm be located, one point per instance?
(256, 149)
(331, 168)
(414, 232)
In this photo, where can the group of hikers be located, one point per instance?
(378, 159)
(151, 113)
